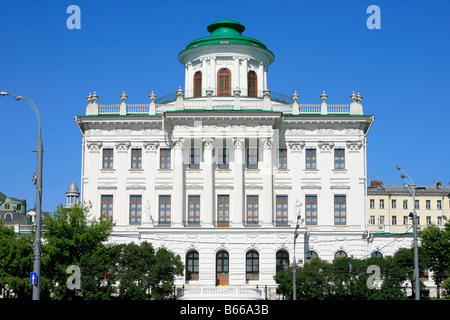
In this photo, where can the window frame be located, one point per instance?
(252, 265)
(282, 158)
(252, 164)
(192, 268)
(165, 158)
(193, 212)
(109, 157)
(252, 84)
(136, 158)
(311, 210)
(192, 157)
(339, 159)
(224, 200)
(164, 210)
(281, 261)
(197, 84)
(224, 153)
(251, 217)
(136, 211)
(282, 212)
(311, 159)
(342, 216)
(107, 201)
(224, 82)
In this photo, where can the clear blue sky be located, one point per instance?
(401, 70)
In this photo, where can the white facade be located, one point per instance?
(257, 132)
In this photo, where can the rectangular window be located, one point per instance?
(107, 208)
(417, 204)
(405, 220)
(428, 204)
(394, 220)
(311, 210)
(164, 159)
(252, 210)
(439, 221)
(223, 211)
(381, 220)
(194, 162)
(439, 204)
(164, 210)
(282, 159)
(7, 206)
(193, 210)
(224, 158)
(310, 158)
(394, 204)
(405, 204)
(282, 210)
(372, 220)
(108, 157)
(135, 209)
(340, 210)
(381, 204)
(252, 158)
(372, 204)
(136, 158)
(339, 159)
(428, 219)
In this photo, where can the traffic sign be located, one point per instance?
(33, 278)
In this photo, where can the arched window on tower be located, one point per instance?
(198, 84)
(252, 84)
(224, 82)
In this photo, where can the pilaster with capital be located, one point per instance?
(267, 201)
(208, 184)
(295, 165)
(149, 164)
(238, 212)
(178, 184)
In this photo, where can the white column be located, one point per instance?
(212, 75)
(295, 167)
(177, 200)
(121, 211)
(267, 200)
(238, 211)
(236, 76)
(244, 82)
(149, 201)
(186, 79)
(204, 75)
(260, 74)
(93, 160)
(265, 77)
(207, 202)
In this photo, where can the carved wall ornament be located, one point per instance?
(151, 146)
(123, 146)
(296, 146)
(354, 145)
(94, 145)
(326, 145)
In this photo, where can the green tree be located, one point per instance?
(436, 246)
(68, 236)
(16, 263)
(144, 274)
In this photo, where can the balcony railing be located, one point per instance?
(267, 102)
(226, 293)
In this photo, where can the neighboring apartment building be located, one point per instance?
(390, 207)
(218, 172)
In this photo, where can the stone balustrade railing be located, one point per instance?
(225, 103)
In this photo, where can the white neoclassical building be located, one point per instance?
(220, 172)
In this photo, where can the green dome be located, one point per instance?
(223, 33)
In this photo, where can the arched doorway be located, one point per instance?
(222, 268)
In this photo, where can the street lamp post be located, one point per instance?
(37, 241)
(411, 188)
(294, 280)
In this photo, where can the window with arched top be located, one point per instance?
(252, 83)
(252, 265)
(311, 255)
(192, 265)
(198, 84)
(224, 82)
(340, 254)
(282, 260)
(376, 254)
